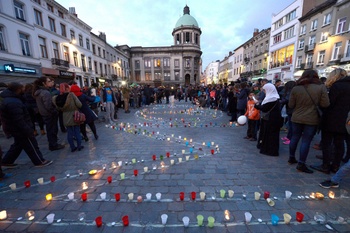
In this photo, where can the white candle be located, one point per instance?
(3, 215)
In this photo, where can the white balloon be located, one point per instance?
(242, 120)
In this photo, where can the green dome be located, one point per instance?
(186, 19)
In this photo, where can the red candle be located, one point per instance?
(211, 123)
(144, 123)
(182, 196)
(27, 183)
(136, 172)
(125, 220)
(98, 221)
(212, 151)
(193, 195)
(299, 217)
(154, 157)
(266, 194)
(84, 196)
(52, 178)
(168, 154)
(117, 196)
(109, 179)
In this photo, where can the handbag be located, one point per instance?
(266, 115)
(79, 117)
(319, 111)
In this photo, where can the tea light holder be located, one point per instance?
(84, 185)
(48, 197)
(3, 215)
(30, 215)
(227, 215)
(331, 195)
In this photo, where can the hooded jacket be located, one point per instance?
(44, 102)
(15, 117)
(68, 103)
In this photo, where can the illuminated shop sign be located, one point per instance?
(10, 68)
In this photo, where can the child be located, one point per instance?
(253, 116)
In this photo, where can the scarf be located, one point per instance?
(271, 93)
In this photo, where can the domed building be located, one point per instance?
(178, 64)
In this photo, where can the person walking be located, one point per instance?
(304, 99)
(68, 103)
(47, 110)
(108, 101)
(16, 123)
(333, 121)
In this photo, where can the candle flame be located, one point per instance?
(227, 215)
(331, 194)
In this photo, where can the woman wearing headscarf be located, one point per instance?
(268, 141)
(304, 99)
(333, 121)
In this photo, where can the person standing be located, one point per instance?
(68, 103)
(253, 116)
(126, 97)
(109, 101)
(333, 121)
(304, 97)
(17, 123)
(268, 141)
(47, 110)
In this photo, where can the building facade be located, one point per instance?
(179, 64)
(211, 73)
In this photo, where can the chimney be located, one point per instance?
(256, 32)
(102, 36)
(72, 11)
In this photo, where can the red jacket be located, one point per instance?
(252, 113)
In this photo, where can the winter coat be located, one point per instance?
(252, 113)
(335, 115)
(304, 109)
(71, 103)
(242, 99)
(15, 117)
(89, 114)
(44, 102)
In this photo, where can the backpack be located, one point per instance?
(79, 117)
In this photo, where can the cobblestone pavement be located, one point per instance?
(216, 160)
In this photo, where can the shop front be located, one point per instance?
(18, 72)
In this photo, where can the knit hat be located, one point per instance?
(76, 90)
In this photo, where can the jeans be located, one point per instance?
(341, 173)
(73, 131)
(306, 133)
(329, 139)
(51, 129)
(110, 112)
(290, 127)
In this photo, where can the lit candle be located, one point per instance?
(319, 196)
(331, 194)
(3, 215)
(312, 195)
(227, 215)
(30, 215)
(49, 197)
(84, 185)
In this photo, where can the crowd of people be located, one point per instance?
(304, 107)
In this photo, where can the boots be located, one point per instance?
(42, 132)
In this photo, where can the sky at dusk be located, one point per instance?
(225, 24)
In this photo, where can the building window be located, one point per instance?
(147, 63)
(278, 23)
(188, 37)
(347, 52)
(66, 53)
(72, 35)
(177, 76)
(166, 76)
(99, 51)
(312, 41)
(75, 58)
(324, 36)
(336, 50)
(38, 18)
(309, 60)
(187, 63)
(24, 44)
(138, 76)
(299, 61)
(137, 64)
(95, 66)
(313, 25)
(93, 49)
(43, 49)
(341, 25)
(157, 62)
(320, 57)
(303, 29)
(277, 38)
(89, 62)
(261, 48)
(52, 24)
(49, 7)
(257, 50)
(56, 53)
(81, 43)
(177, 63)
(148, 76)
(63, 30)
(267, 46)
(301, 44)
(289, 33)
(37, 1)
(327, 19)
(157, 76)
(166, 62)
(60, 14)
(87, 43)
(19, 10)
(83, 66)
(104, 53)
(2, 40)
(291, 16)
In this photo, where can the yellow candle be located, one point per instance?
(49, 197)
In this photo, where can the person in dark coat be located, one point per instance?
(89, 114)
(232, 104)
(333, 120)
(17, 123)
(268, 141)
(242, 99)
